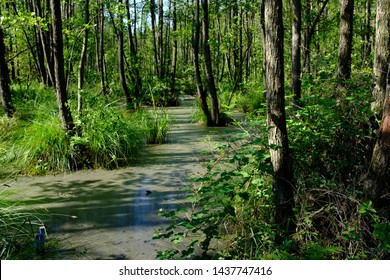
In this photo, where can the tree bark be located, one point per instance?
(121, 60)
(366, 48)
(134, 67)
(174, 50)
(296, 49)
(83, 57)
(99, 45)
(377, 182)
(382, 56)
(199, 85)
(345, 41)
(5, 92)
(153, 19)
(274, 76)
(160, 40)
(208, 68)
(60, 83)
(45, 40)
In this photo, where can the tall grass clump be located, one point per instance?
(110, 136)
(16, 229)
(106, 135)
(157, 123)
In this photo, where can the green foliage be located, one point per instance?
(107, 135)
(230, 206)
(110, 136)
(157, 123)
(159, 93)
(249, 98)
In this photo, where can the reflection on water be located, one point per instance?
(117, 210)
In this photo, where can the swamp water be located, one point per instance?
(117, 210)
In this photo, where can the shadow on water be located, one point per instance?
(117, 210)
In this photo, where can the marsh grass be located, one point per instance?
(107, 135)
(16, 228)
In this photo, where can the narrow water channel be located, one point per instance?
(117, 210)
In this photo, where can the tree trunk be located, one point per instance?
(377, 181)
(199, 85)
(208, 68)
(83, 57)
(5, 92)
(274, 76)
(296, 49)
(366, 48)
(121, 60)
(382, 56)
(345, 40)
(60, 83)
(45, 40)
(174, 50)
(309, 33)
(134, 67)
(99, 45)
(155, 50)
(160, 40)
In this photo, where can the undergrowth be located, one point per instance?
(230, 210)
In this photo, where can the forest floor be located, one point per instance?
(112, 214)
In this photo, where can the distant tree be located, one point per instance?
(367, 30)
(310, 31)
(276, 116)
(215, 121)
(174, 50)
(118, 28)
(83, 58)
(99, 44)
(296, 49)
(59, 73)
(5, 93)
(44, 39)
(198, 77)
(345, 40)
(134, 63)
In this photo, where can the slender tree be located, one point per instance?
(134, 63)
(44, 38)
(208, 65)
(174, 49)
(154, 35)
(274, 77)
(310, 30)
(5, 93)
(345, 40)
(118, 28)
(296, 49)
(366, 48)
(83, 57)
(59, 73)
(99, 45)
(198, 77)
